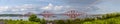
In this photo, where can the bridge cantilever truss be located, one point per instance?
(46, 14)
(71, 14)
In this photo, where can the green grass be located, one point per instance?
(114, 20)
(20, 22)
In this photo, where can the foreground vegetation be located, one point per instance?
(20, 22)
(110, 18)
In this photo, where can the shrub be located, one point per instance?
(34, 18)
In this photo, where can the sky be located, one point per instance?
(58, 6)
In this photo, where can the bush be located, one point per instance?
(34, 18)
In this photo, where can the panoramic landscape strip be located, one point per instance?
(109, 18)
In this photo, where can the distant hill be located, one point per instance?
(11, 15)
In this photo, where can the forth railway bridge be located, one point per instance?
(46, 14)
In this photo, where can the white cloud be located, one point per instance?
(54, 7)
(23, 7)
(49, 7)
(57, 7)
(18, 8)
(3, 8)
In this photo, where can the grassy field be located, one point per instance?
(115, 20)
(21, 22)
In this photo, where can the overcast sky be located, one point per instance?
(58, 6)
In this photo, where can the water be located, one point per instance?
(16, 17)
(56, 17)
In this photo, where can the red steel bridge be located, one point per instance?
(70, 13)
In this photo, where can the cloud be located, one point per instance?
(76, 4)
(108, 6)
(3, 8)
(25, 6)
(55, 8)
(18, 8)
(52, 7)
(58, 6)
(22, 7)
(73, 2)
(49, 7)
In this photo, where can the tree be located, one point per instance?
(34, 18)
(43, 21)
